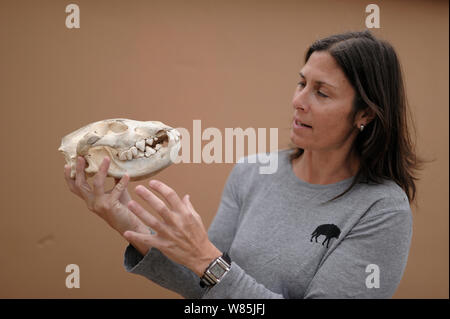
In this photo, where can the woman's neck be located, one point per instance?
(325, 167)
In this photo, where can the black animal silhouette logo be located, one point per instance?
(328, 230)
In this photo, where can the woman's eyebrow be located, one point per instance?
(319, 82)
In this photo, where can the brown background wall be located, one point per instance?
(228, 63)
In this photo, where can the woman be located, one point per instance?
(334, 221)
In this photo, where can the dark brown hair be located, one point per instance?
(385, 146)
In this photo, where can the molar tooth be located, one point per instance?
(129, 155)
(149, 151)
(141, 145)
(123, 156)
(158, 146)
(134, 151)
(149, 141)
(140, 154)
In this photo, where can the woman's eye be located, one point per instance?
(321, 94)
(302, 84)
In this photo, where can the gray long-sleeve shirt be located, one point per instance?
(286, 241)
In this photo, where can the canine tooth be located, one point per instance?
(149, 151)
(158, 146)
(123, 156)
(129, 155)
(134, 151)
(141, 145)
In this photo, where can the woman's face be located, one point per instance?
(322, 105)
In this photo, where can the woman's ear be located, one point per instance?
(364, 116)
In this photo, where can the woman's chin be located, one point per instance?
(297, 141)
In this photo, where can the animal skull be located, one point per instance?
(139, 149)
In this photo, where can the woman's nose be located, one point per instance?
(300, 101)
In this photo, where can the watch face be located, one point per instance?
(217, 271)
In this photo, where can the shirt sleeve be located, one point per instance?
(156, 267)
(369, 262)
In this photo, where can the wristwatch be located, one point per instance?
(216, 271)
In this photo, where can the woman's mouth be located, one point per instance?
(298, 124)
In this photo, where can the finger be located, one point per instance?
(99, 178)
(187, 201)
(80, 178)
(157, 204)
(120, 187)
(137, 239)
(148, 219)
(169, 195)
(70, 182)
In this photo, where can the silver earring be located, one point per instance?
(361, 128)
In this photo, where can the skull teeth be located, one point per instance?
(140, 154)
(129, 155)
(134, 151)
(123, 156)
(149, 151)
(143, 148)
(149, 141)
(141, 145)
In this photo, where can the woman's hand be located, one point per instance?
(125, 197)
(111, 205)
(180, 235)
